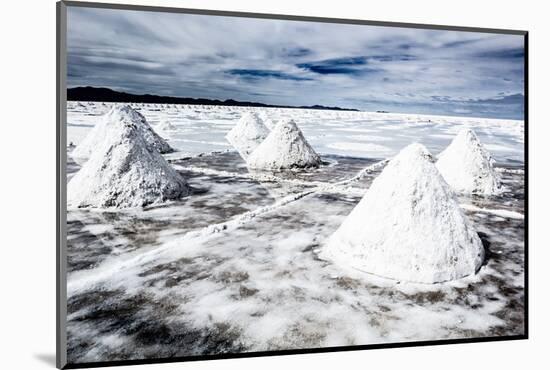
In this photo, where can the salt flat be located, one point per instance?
(234, 267)
(200, 129)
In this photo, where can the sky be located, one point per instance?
(297, 63)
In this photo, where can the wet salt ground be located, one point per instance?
(139, 289)
(335, 168)
(96, 235)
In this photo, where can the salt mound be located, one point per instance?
(117, 116)
(247, 134)
(408, 226)
(269, 123)
(467, 166)
(166, 126)
(285, 147)
(124, 171)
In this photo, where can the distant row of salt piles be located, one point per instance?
(123, 166)
(282, 147)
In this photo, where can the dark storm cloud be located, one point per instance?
(347, 65)
(297, 63)
(351, 65)
(516, 53)
(262, 73)
(297, 52)
(454, 44)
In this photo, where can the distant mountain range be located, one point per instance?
(103, 94)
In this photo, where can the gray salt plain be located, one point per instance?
(233, 267)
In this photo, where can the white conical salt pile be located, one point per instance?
(102, 130)
(467, 166)
(408, 226)
(285, 147)
(124, 171)
(165, 126)
(269, 123)
(247, 134)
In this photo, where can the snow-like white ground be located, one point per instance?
(234, 267)
(363, 134)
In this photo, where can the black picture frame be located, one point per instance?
(61, 195)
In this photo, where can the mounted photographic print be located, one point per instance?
(235, 184)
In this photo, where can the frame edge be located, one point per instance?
(61, 215)
(288, 17)
(61, 118)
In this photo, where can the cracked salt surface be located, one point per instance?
(144, 284)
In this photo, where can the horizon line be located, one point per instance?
(257, 104)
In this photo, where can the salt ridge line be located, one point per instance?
(508, 170)
(199, 235)
(111, 268)
(363, 172)
(250, 176)
(219, 143)
(497, 212)
(178, 156)
(241, 219)
(271, 178)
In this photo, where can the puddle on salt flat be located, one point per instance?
(334, 168)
